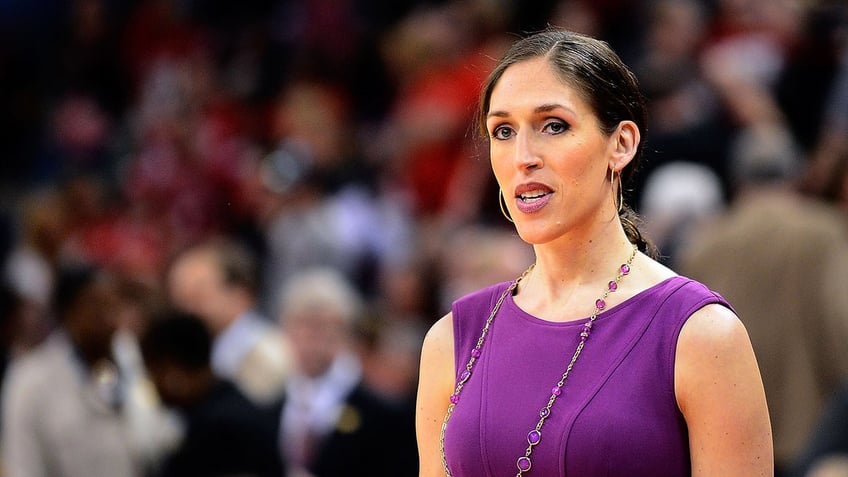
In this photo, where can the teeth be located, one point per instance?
(531, 195)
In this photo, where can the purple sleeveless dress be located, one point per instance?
(617, 414)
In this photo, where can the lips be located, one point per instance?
(530, 198)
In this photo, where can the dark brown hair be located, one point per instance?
(599, 76)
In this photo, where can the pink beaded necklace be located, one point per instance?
(534, 437)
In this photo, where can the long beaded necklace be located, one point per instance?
(534, 437)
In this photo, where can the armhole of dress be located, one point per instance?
(464, 328)
(688, 307)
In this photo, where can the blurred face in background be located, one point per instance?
(317, 337)
(92, 319)
(196, 285)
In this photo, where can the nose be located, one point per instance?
(527, 154)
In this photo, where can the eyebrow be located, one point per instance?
(544, 108)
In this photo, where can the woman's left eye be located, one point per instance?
(555, 127)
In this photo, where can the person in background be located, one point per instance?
(597, 360)
(389, 351)
(332, 425)
(217, 281)
(823, 396)
(62, 406)
(30, 267)
(225, 433)
(826, 452)
(781, 257)
(154, 430)
(11, 306)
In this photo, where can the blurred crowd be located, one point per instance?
(226, 226)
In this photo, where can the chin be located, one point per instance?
(536, 235)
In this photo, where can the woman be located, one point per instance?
(598, 360)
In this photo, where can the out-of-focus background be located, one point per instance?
(306, 180)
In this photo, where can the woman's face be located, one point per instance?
(549, 155)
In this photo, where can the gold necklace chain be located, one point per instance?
(524, 463)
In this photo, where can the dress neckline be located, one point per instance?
(606, 314)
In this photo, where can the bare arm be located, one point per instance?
(435, 385)
(720, 393)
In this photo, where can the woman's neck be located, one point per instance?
(570, 273)
(573, 259)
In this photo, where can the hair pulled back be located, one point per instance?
(601, 79)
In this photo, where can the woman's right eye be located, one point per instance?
(502, 133)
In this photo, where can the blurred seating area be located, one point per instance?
(331, 147)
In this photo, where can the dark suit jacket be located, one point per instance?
(373, 438)
(227, 435)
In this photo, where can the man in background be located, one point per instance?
(225, 433)
(781, 258)
(62, 405)
(333, 424)
(217, 281)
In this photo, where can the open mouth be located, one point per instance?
(533, 198)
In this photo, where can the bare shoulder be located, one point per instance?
(440, 335)
(712, 341)
(712, 328)
(437, 360)
(435, 384)
(436, 374)
(720, 393)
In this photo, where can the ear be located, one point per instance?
(625, 143)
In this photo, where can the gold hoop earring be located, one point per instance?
(502, 204)
(620, 204)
